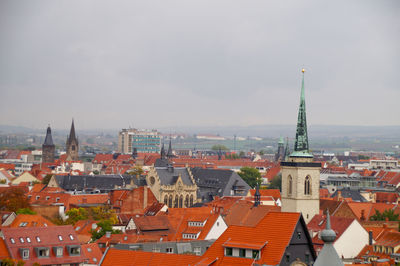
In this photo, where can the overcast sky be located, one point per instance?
(115, 64)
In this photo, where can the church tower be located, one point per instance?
(48, 148)
(300, 175)
(72, 145)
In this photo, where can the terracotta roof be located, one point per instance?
(389, 239)
(28, 220)
(275, 229)
(368, 251)
(92, 252)
(272, 172)
(3, 250)
(33, 237)
(275, 193)
(128, 257)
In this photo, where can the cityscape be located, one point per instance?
(192, 133)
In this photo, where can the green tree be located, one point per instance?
(25, 211)
(105, 226)
(76, 214)
(232, 156)
(218, 147)
(95, 172)
(242, 154)
(136, 171)
(276, 182)
(46, 179)
(251, 176)
(13, 199)
(389, 214)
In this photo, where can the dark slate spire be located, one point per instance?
(72, 135)
(257, 196)
(169, 153)
(49, 139)
(301, 142)
(162, 152)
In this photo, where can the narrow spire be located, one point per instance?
(301, 143)
(169, 153)
(49, 139)
(72, 135)
(162, 152)
(328, 235)
(257, 196)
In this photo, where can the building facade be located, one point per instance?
(173, 186)
(300, 175)
(145, 141)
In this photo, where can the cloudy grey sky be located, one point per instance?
(114, 64)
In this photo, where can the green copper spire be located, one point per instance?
(301, 143)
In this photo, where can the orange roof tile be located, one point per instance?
(28, 220)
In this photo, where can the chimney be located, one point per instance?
(108, 234)
(362, 218)
(370, 238)
(145, 197)
(339, 195)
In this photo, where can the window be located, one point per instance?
(12, 240)
(74, 250)
(156, 249)
(197, 251)
(28, 240)
(71, 237)
(60, 238)
(37, 197)
(47, 197)
(290, 184)
(307, 258)
(228, 251)
(58, 251)
(242, 253)
(21, 239)
(24, 253)
(255, 254)
(298, 235)
(287, 257)
(38, 239)
(42, 252)
(307, 185)
(169, 250)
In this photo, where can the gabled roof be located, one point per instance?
(128, 257)
(389, 239)
(92, 253)
(168, 176)
(28, 220)
(275, 193)
(274, 231)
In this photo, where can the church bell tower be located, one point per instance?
(300, 174)
(72, 145)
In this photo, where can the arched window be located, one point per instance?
(181, 201)
(170, 201)
(166, 200)
(176, 202)
(290, 185)
(191, 200)
(187, 201)
(307, 185)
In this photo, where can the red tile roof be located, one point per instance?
(275, 229)
(28, 220)
(92, 253)
(128, 257)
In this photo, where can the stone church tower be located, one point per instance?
(48, 148)
(72, 145)
(300, 175)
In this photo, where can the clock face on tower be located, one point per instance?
(152, 180)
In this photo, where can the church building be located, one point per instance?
(72, 145)
(300, 174)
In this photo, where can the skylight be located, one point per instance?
(28, 240)
(38, 239)
(60, 238)
(12, 240)
(72, 237)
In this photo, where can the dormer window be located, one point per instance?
(42, 252)
(228, 251)
(24, 253)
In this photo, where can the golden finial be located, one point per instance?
(303, 70)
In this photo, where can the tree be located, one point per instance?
(232, 156)
(389, 214)
(46, 179)
(105, 226)
(76, 214)
(276, 182)
(25, 211)
(136, 171)
(251, 176)
(218, 147)
(13, 199)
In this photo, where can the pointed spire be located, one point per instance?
(257, 196)
(169, 153)
(162, 152)
(72, 135)
(301, 148)
(328, 235)
(49, 139)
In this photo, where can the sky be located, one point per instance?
(119, 64)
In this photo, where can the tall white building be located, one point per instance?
(145, 141)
